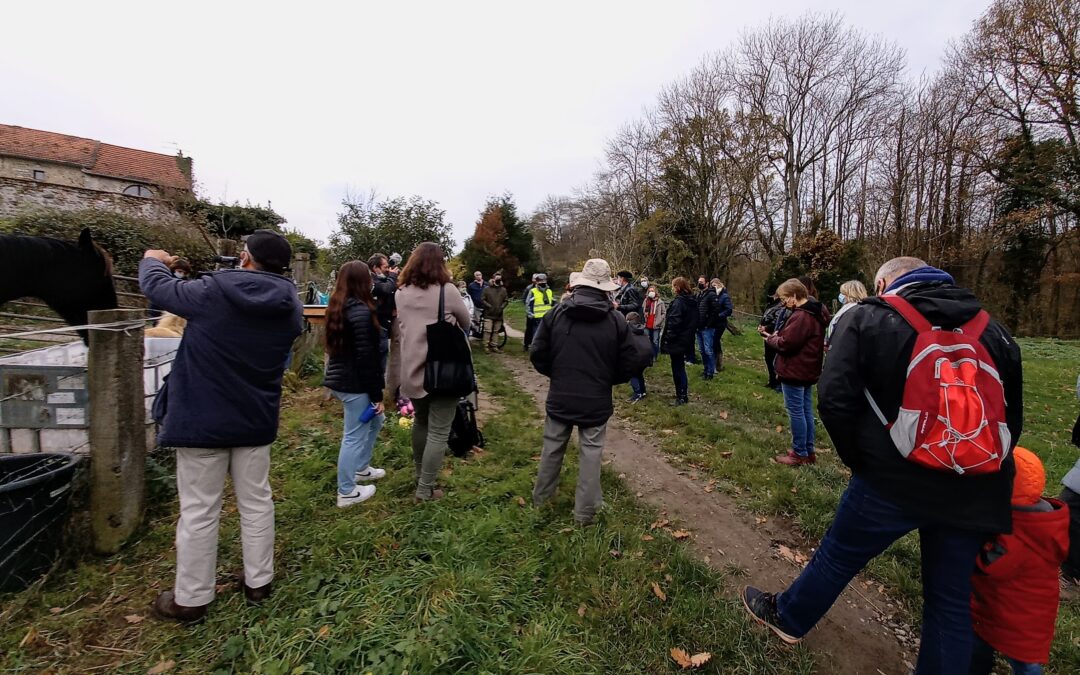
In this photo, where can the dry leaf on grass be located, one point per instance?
(663, 522)
(134, 618)
(535, 458)
(726, 454)
(647, 537)
(640, 495)
(758, 396)
(723, 414)
(324, 631)
(779, 429)
(794, 490)
(791, 555)
(162, 666)
(761, 520)
(680, 534)
(521, 501)
(30, 637)
(658, 592)
(686, 661)
(709, 488)
(566, 530)
(615, 553)
(55, 610)
(581, 609)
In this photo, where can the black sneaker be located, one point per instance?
(762, 606)
(635, 398)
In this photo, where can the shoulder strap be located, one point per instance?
(914, 318)
(442, 304)
(976, 325)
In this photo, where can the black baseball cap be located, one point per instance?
(270, 250)
(625, 275)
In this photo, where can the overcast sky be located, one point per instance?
(451, 100)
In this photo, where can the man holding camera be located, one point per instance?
(219, 410)
(384, 272)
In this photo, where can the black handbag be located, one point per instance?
(449, 367)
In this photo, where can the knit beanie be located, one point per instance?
(1030, 480)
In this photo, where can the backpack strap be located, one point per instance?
(905, 309)
(977, 325)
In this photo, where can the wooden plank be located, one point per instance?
(27, 317)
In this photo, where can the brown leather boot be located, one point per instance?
(254, 596)
(165, 607)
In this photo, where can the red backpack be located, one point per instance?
(952, 415)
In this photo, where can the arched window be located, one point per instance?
(138, 191)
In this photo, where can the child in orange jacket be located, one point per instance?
(1014, 600)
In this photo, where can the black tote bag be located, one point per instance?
(449, 367)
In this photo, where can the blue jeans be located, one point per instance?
(982, 661)
(799, 402)
(358, 440)
(865, 525)
(654, 336)
(678, 374)
(708, 355)
(637, 383)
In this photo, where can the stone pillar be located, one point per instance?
(117, 432)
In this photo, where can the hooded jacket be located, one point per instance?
(585, 347)
(359, 368)
(1015, 590)
(800, 344)
(224, 389)
(869, 351)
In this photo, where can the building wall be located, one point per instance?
(19, 195)
(59, 174)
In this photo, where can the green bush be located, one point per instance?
(124, 237)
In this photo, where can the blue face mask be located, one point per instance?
(842, 298)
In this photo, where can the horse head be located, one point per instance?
(90, 286)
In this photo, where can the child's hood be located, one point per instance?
(1046, 533)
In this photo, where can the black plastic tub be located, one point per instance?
(35, 491)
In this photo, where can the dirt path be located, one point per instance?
(858, 635)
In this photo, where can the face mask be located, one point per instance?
(179, 275)
(644, 284)
(701, 286)
(652, 294)
(842, 298)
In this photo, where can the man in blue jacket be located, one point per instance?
(219, 410)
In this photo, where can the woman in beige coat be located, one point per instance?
(417, 299)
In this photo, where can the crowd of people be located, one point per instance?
(920, 392)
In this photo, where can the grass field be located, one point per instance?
(476, 583)
(734, 426)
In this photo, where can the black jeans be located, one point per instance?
(770, 356)
(1071, 566)
(678, 374)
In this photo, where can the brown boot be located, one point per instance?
(165, 607)
(255, 596)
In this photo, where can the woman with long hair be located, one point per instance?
(422, 281)
(355, 344)
(678, 338)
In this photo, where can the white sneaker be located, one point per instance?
(361, 493)
(370, 473)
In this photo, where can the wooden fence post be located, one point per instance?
(114, 370)
(310, 339)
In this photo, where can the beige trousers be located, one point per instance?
(200, 480)
(393, 367)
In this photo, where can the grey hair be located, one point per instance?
(898, 266)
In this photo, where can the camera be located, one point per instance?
(227, 261)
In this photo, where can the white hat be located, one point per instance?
(595, 274)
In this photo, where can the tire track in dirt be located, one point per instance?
(852, 638)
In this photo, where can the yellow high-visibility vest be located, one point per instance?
(542, 302)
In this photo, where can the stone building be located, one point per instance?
(42, 169)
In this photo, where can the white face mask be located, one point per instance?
(179, 275)
(644, 284)
(652, 294)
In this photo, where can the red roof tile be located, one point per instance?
(94, 156)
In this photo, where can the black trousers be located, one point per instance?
(530, 330)
(1071, 566)
(770, 356)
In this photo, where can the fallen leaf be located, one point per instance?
(615, 553)
(30, 637)
(324, 631)
(521, 501)
(761, 520)
(658, 592)
(606, 462)
(581, 609)
(726, 454)
(134, 618)
(791, 556)
(708, 488)
(681, 658)
(723, 414)
(55, 610)
(667, 432)
(779, 429)
(647, 537)
(162, 666)
(565, 530)
(758, 396)
(668, 578)
(535, 458)
(698, 660)
(794, 490)
(663, 522)
(116, 568)
(680, 534)
(640, 494)
(708, 560)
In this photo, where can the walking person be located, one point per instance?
(851, 294)
(678, 338)
(891, 494)
(537, 304)
(627, 298)
(655, 315)
(423, 280)
(585, 347)
(219, 410)
(769, 324)
(356, 345)
(800, 350)
(494, 301)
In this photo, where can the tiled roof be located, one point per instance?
(94, 156)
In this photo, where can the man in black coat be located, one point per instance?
(627, 298)
(889, 496)
(585, 347)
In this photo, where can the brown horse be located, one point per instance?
(71, 278)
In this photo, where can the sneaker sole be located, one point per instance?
(367, 479)
(353, 502)
(789, 639)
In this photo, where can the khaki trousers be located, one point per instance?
(200, 480)
(588, 497)
(393, 367)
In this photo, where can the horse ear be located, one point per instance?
(86, 240)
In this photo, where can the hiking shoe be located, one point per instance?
(635, 398)
(370, 473)
(762, 606)
(792, 458)
(359, 494)
(165, 607)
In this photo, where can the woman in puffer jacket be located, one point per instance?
(355, 344)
